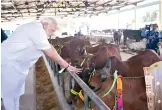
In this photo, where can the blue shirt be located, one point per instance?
(153, 38)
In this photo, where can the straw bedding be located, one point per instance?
(45, 95)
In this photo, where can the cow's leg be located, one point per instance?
(125, 39)
(116, 42)
(136, 39)
(119, 40)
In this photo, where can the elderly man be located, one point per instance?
(20, 52)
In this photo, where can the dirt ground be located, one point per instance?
(45, 94)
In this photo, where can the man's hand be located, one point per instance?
(73, 69)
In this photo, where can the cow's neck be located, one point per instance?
(122, 68)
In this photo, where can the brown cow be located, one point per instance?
(134, 93)
(74, 48)
(100, 58)
(98, 61)
(104, 52)
(92, 50)
(61, 41)
(101, 53)
(133, 67)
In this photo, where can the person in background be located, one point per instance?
(153, 38)
(79, 34)
(20, 51)
(3, 35)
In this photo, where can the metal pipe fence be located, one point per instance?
(58, 84)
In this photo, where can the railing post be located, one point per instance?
(86, 105)
(55, 71)
(62, 83)
(70, 82)
(57, 74)
(58, 78)
(52, 65)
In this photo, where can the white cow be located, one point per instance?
(138, 45)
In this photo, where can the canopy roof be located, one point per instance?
(14, 9)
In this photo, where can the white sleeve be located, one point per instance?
(39, 38)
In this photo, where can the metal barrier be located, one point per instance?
(153, 80)
(58, 83)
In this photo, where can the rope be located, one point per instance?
(131, 77)
(115, 79)
(115, 106)
(119, 93)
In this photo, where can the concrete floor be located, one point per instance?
(28, 100)
(125, 56)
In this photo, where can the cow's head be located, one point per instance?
(76, 93)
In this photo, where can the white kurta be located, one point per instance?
(18, 53)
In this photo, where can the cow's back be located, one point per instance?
(104, 52)
(73, 48)
(114, 50)
(142, 59)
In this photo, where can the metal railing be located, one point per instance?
(58, 83)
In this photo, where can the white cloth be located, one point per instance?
(18, 53)
(11, 103)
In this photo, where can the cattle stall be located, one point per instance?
(58, 83)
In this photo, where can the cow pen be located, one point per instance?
(62, 83)
(58, 83)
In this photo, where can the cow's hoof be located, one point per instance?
(69, 102)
